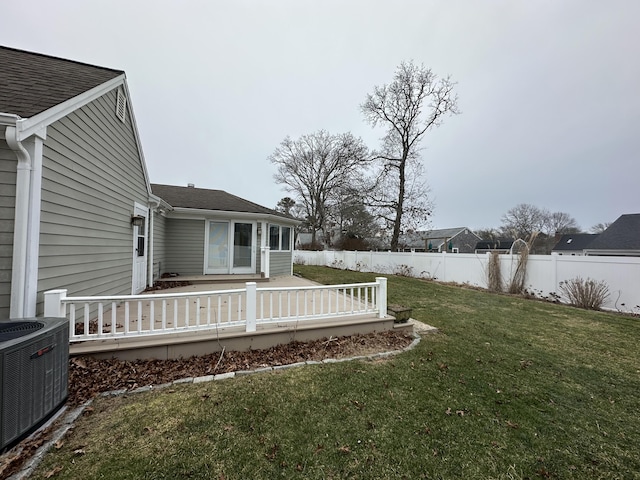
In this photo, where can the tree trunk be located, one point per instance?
(399, 210)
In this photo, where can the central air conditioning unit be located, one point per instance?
(34, 371)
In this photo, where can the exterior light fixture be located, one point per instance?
(137, 221)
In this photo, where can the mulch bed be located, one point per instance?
(89, 377)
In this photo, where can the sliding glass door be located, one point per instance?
(241, 257)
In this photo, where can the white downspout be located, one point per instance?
(150, 240)
(26, 234)
(21, 224)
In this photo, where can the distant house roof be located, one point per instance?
(206, 199)
(31, 83)
(574, 242)
(492, 245)
(623, 235)
(436, 237)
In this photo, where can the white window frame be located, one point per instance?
(280, 247)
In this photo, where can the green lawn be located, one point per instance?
(510, 388)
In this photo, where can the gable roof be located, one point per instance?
(436, 237)
(623, 234)
(574, 241)
(206, 199)
(31, 83)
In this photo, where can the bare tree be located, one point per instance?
(559, 223)
(522, 221)
(412, 104)
(600, 227)
(314, 167)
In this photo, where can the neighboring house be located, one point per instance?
(213, 232)
(573, 244)
(621, 238)
(76, 206)
(494, 246)
(455, 240)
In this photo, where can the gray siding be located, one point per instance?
(280, 263)
(92, 175)
(184, 246)
(8, 164)
(159, 245)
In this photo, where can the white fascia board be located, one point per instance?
(29, 126)
(136, 134)
(195, 213)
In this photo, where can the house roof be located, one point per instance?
(206, 199)
(494, 245)
(436, 237)
(31, 83)
(574, 241)
(623, 234)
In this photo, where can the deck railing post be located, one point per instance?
(382, 296)
(53, 306)
(252, 292)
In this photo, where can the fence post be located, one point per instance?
(251, 306)
(444, 266)
(382, 296)
(53, 306)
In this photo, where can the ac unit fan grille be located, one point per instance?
(12, 330)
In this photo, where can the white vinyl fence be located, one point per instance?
(544, 272)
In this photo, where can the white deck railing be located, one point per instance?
(121, 316)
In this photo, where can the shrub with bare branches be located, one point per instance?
(494, 276)
(589, 293)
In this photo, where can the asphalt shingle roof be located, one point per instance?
(574, 241)
(623, 234)
(31, 83)
(205, 199)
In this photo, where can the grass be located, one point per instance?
(509, 389)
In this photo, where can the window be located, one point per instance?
(274, 237)
(279, 237)
(286, 238)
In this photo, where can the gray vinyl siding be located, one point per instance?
(184, 246)
(159, 245)
(280, 263)
(92, 175)
(8, 164)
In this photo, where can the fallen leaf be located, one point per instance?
(319, 448)
(460, 412)
(58, 445)
(79, 451)
(53, 472)
(512, 424)
(448, 411)
(344, 449)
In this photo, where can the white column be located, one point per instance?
(251, 306)
(382, 296)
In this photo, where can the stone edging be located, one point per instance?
(69, 419)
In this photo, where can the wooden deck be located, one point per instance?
(188, 343)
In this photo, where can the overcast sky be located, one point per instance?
(549, 90)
